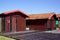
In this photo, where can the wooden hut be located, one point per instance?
(45, 21)
(13, 21)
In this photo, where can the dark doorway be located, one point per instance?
(49, 25)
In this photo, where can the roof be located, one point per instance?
(41, 16)
(13, 11)
(58, 15)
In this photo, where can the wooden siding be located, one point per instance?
(7, 24)
(21, 23)
(48, 25)
(18, 23)
(13, 18)
(13, 23)
(38, 25)
(51, 25)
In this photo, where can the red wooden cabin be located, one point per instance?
(45, 21)
(13, 21)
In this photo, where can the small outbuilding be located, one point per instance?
(13, 21)
(43, 21)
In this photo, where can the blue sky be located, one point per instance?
(30, 6)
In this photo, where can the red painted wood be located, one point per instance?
(21, 22)
(7, 24)
(13, 23)
(43, 24)
(38, 25)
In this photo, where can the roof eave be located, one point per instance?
(6, 13)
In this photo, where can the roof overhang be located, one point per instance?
(44, 16)
(13, 11)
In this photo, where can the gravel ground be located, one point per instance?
(46, 35)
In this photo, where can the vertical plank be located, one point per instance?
(13, 24)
